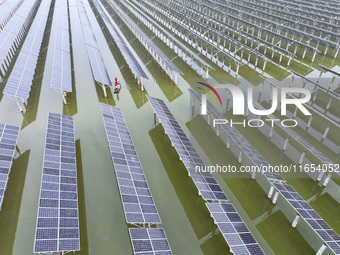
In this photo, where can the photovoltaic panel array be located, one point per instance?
(171, 66)
(57, 227)
(20, 82)
(99, 70)
(136, 197)
(244, 145)
(325, 232)
(323, 158)
(135, 10)
(149, 241)
(7, 10)
(205, 182)
(61, 67)
(233, 229)
(8, 140)
(135, 67)
(13, 33)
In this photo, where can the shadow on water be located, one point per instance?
(12, 201)
(84, 244)
(100, 93)
(186, 191)
(283, 239)
(329, 210)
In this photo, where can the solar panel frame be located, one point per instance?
(57, 228)
(137, 200)
(313, 219)
(235, 232)
(244, 145)
(8, 139)
(205, 182)
(150, 241)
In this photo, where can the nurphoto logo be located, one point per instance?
(240, 99)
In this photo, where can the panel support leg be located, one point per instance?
(329, 176)
(296, 221)
(322, 249)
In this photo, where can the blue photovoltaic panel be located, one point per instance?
(314, 220)
(233, 229)
(57, 227)
(12, 33)
(122, 45)
(8, 8)
(137, 200)
(20, 82)
(99, 70)
(61, 72)
(61, 79)
(149, 241)
(98, 67)
(8, 140)
(205, 182)
(244, 145)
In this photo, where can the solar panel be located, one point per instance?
(314, 220)
(61, 79)
(121, 43)
(205, 182)
(8, 139)
(20, 82)
(12, 34)
(7, 10)
(57, 228)
(233, 229)
(136, 197)
(99, 70)
(244, 145)
(149, 241)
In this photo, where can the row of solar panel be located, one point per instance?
(61, 79)
(57, 223)
(12, 30)
(8, 139)
(208, 187)
(61, 72)
(326, 233)
(20, 82)
(151, 241)
(232, 227)
(244, 145)
(122, 45)
(137, 200)
(7, 10)
(99, 70)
